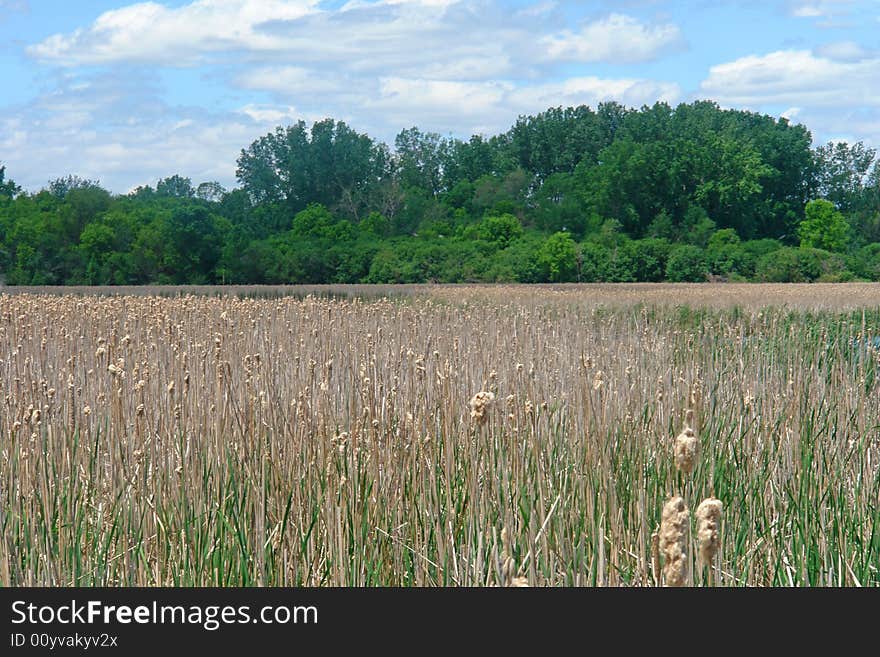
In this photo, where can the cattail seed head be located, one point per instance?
(673, 541)
(708, 519)
(480, 404)
(687, 446)
(507, 565)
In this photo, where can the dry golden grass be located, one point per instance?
(290, 440)
(804, 296)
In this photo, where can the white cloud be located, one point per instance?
(847, 51)
(617, 38)
(116, 131)
(152, 32)
(449, 66)
(461, 38)
(834, 98)
(491, 107)
(807, 11)
(538, 9)
(825, 11)
(445, 105)
(794, 77)
(289, 81)
(269, 113)
(592, 91)
(791, 113)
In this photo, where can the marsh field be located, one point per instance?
(441, 435)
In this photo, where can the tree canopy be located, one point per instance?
(610, 193)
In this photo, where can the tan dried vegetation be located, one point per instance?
(226, 440)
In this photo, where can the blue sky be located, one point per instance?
(128, 93)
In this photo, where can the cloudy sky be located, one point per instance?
(127, 93)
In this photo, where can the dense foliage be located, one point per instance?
(575, 194)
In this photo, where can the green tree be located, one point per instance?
(61, 187)
(558, 258)
(687, 264)
(212, 192)
(419, 158)
(8, 188)
(175, 186)
(375, 224)
(556, 140)
(499, 230)
(865, 262)
(724, 252)
(799, 265)
(824, 227)
(842, 171)
(297, 166)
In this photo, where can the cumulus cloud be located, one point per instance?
(847, 51)
(617, 38)
(837, 98)
(807, 11)
(116, 131)
(205, 30)
(794, 77)
(492, 107)
(466, 39)
(592, 91)
(289, 80)
(828, 13)
(450, 66)
(152, 32)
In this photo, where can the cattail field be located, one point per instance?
(595, 435)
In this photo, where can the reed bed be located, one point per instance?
(459, 436)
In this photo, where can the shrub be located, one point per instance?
(687, 264)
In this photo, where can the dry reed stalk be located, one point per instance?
(655, 557)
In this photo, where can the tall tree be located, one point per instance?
(175, 186)
(824, 227)
(297, 166)
(842, 171)
(61, 187)
(419, 159)
(212, 192)
(557, 140)
(8, 188)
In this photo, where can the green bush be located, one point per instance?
(865, 263)
(687, 264)
(557, 258)
(801, 265)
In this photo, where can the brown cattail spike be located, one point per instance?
(687, 446)
(480, 404)
(673, 541)
(708, 519)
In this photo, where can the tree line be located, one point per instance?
(686, 193)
